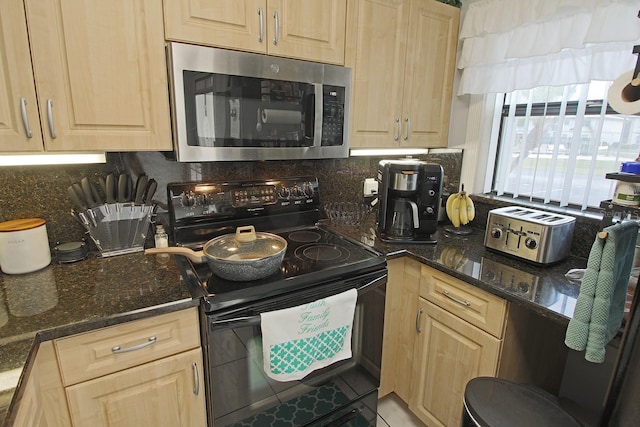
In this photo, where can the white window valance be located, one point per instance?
(521, 44)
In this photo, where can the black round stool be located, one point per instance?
(492, 402)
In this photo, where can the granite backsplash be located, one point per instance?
(41, 191)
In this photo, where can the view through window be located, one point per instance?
(557, 144)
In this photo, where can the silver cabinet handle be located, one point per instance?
(117, 349)
(196, 379)
(459, 301)
(261, 15)
(25, 119)
(398, 129)
(276, 34)
(52, 130)
(408, 122)
(418, 328)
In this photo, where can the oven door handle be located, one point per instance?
(255, 320)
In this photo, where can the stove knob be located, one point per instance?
(430, 210)
(284, 192)
(496, 233)
(530, 243)
(308, 189)
(188, 200)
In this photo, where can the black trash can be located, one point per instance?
(492, 402)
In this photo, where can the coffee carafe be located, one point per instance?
(409, 192)
(404, 218)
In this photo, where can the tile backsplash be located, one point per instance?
(41, 191)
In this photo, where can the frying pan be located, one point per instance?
(243, 256)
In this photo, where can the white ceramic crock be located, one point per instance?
(24, 245)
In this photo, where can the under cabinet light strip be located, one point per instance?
(51, 159)
(388, 151)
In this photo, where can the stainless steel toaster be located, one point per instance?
(537, 236)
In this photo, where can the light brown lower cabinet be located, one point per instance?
(440, 332)
(137, 373)
(448, 353)
(168, 392)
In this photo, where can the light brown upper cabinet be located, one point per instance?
(19, 122)
(313, 30)
(403, 57)
(99, 74)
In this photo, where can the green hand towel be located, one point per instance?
(600, 304)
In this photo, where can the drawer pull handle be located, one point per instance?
(196, 379)
(459, 301)
(117, 349)
(418, 328)
(398, 129)
(276, 37)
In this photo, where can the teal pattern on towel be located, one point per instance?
(298, 355)
(600, 305)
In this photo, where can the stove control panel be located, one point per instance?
(191, 201)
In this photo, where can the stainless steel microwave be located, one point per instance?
(229, 105)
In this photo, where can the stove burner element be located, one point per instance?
(321, 252)
(304, 236)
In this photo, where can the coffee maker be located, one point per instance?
(409, 200)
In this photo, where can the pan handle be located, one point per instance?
(195, 256)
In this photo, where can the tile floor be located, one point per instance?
(393, 412)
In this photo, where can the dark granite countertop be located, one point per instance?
(64, 299)
(544, 289)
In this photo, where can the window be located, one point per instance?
(556, 145)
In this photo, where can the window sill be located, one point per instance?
(590, 216)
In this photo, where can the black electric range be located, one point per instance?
(288, 207)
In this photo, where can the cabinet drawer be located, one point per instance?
(474, 305)
(93, 354)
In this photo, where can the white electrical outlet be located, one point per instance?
(370, 187)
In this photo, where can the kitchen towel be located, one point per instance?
(600, 305)
(301, 339)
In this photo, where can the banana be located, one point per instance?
(449, 205)
(464, 219)
(455, 212)
(471, 209)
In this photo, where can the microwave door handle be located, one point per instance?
(319, 111)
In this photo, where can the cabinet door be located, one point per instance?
(233, 24)
(376, 50)
(168, 392)
(42, 402)
(399, 327)
(449, 352)
(18, 105)
(313, 29)
(100, 74)
(430, 66)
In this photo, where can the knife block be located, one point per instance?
(118, 228)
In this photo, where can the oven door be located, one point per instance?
(344, 393)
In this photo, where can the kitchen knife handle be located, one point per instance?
(276, 20)
(418, 316)
(123, 184)
(408, 123)
(110, 188)
(196, 379)
(141, 187)
(88, 193)
(261, 16)
(77, 201)
(398, 129)
(456, 300)
(118, 350)
(25, 118)
(52, 129)
(151, 190)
